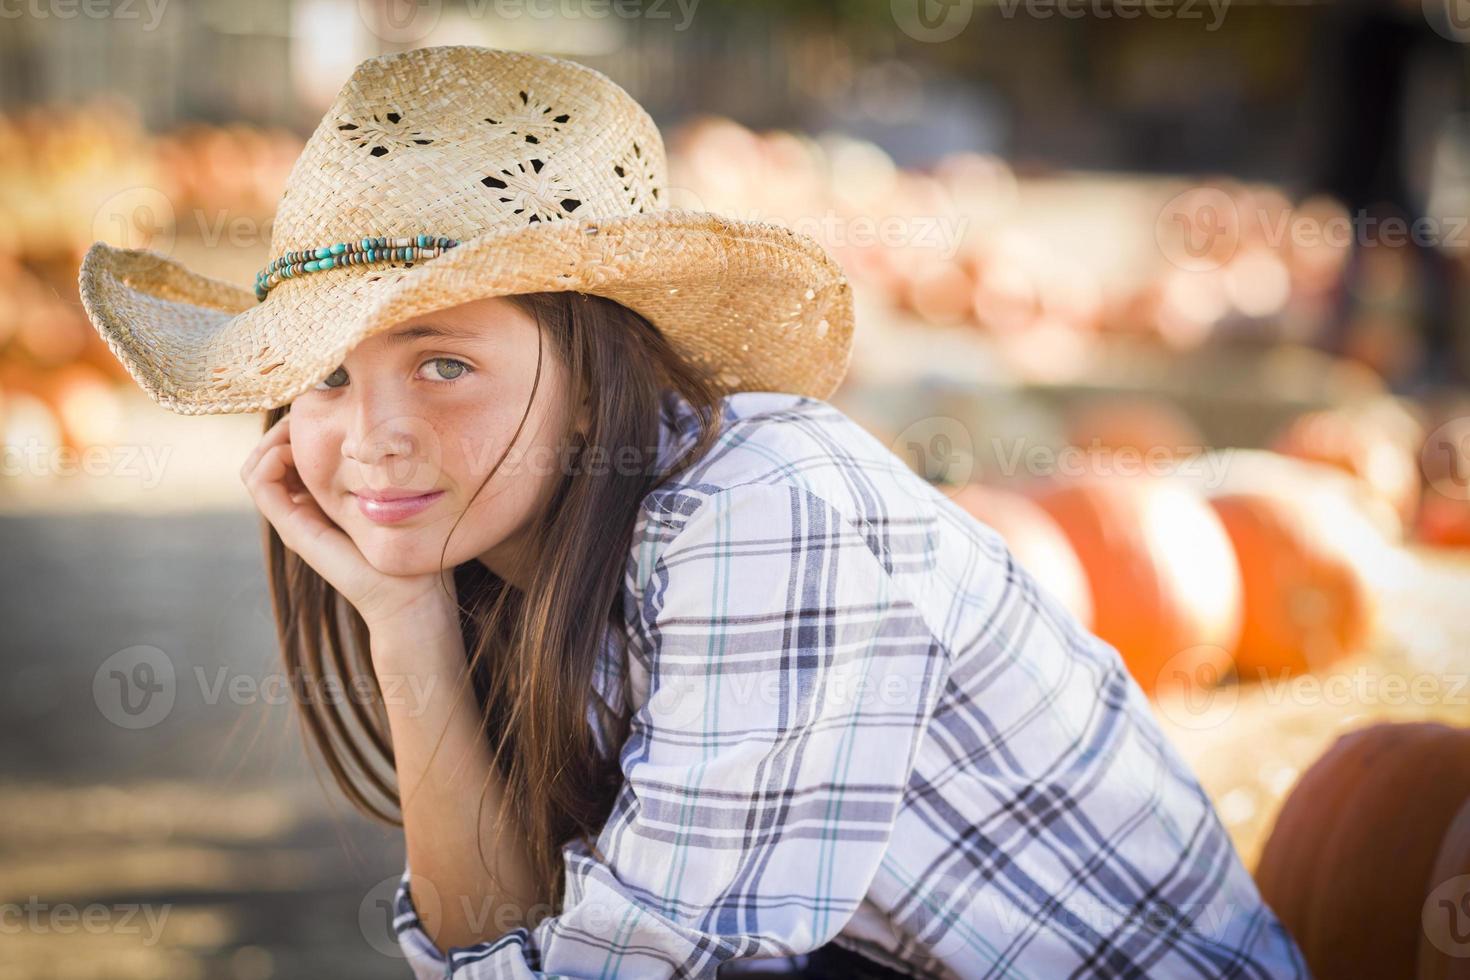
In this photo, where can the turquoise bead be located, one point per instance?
(373, 248)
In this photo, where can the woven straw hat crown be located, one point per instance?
(462, 146)
(547, 175)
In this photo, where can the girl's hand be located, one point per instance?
(269, 473)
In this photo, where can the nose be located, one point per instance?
(387, 441)
(374, 433)
(391, 445)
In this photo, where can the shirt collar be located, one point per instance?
(678, 427)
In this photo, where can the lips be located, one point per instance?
(383, 495)
(388, 507)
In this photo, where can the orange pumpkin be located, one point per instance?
(940, 292)
(1144, 425)
(1306, 604)
(1036, 541)
(1444, 938)
(1164, 583)
(1444, 513)
(1356, 444)
(1443, 521)
(1349, 862)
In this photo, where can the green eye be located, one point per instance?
(325, 383)
(449, 368)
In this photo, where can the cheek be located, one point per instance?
(316, 451)
(528, 472)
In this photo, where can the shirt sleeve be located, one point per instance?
(782, 686)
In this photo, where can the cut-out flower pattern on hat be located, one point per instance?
(534, 191)
(381, 133)
(529, 118)
(637, 177)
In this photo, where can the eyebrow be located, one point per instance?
(410, 334)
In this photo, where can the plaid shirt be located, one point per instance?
(855, 716)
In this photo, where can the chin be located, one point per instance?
(395, 552)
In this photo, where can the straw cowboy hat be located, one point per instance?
(448, 174)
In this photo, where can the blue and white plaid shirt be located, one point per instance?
(856, 718)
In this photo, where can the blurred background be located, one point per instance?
(1172, 294)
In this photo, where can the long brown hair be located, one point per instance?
(531, 653)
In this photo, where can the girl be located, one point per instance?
(679, 672)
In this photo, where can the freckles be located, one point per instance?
(313, 449)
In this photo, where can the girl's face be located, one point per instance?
(422, 412)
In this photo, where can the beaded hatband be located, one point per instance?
(379, 249)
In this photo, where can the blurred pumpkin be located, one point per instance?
(1145, 424)
(87, 404)
(1306, 605)
(1048, 351)
(1443, 521)
(1357, 445)
(1444, 515)
(1348, 865)
(1035, 539)
(1005, 298)
(940, 292)
(1445, 919)
(1163, 579)
(1445, 452)
(1231, 469)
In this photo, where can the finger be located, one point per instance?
(304, 527)
(272, 437)
(279, 493)
(275, 435)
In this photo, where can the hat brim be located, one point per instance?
(762, 307)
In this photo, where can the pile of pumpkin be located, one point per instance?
(968, 242)
(1268, 573)
(1259, 566)
(74, 174)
